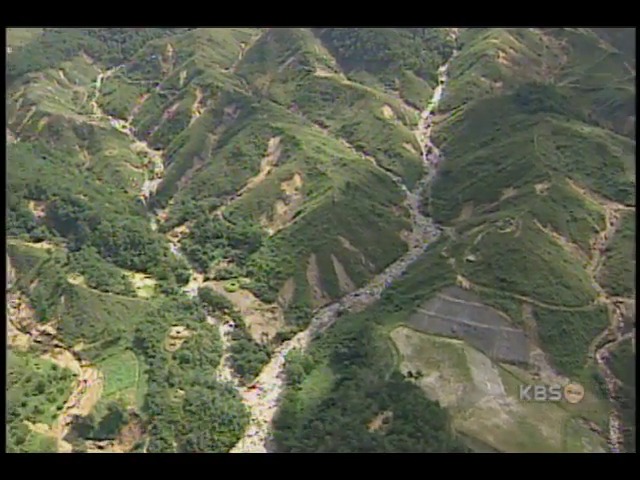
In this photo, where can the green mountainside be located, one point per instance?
(183, 202)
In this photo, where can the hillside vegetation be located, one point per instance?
(166, 183)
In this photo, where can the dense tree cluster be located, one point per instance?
(212, 238)
(247, 356)
(386, 51)
(36, 391)
(187, 410)
(98, 273)
(107, 45)
(340, 419)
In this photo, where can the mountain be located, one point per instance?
(395, 228)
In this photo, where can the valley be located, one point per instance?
(347, 283)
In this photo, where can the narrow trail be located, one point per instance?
(154, 157)
(604, 344)
(224, 372)
(196, 108)
(24, 331)
(244, 48)
(263, 400)
(525, 298)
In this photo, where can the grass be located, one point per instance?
(315, 387)
(432, 351)
(521, 428)
(39, 443)
(504, 303)
(332, 178)
(111, 160)
(425, 354)
(118, 96)
(121, 377)
(391, 56)
(24, 258)
(355, 115)
(605, 155)
(231, 286)
(53, 93)
(567, 213)
(346, 109)
(124, 382)
(528, 110)
(577, 435)
(530, 264)
(17, 37)
(567, 335)
(91, 316)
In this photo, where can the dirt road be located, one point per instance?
(24, 331)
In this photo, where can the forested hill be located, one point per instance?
(183, 202)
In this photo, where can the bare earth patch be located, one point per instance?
(274, 149)
(387, 112)
(182, 78)
(508, 192)
(196, 109)
(349, 246)
(323, 72)
(285, 295)
(466, 212)
(463, 282)
(136, 108)
(313, 278)
(541, 188)
(346, 284)
(284, 210)
(16, 339)
(176, 337)
(143, 284)
(406, 237)
(263, 321)
(76, 279)
(382, 421)
(410, 147)
(63, 359)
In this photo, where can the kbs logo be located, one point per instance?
(572, 393)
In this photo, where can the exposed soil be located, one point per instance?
(285, 295)
(387, 112)
(313, 278)
(176, 337)
(263, 321)
(349, 246)
(274, 149)
(381, 422)
(346, 284)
